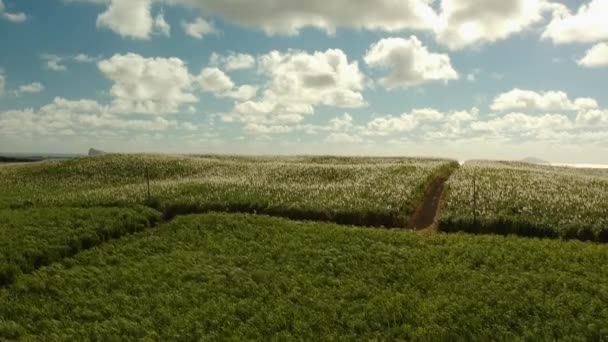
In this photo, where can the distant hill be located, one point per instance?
(93, 152)
(532, 160)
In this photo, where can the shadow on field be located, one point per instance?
(515, 226)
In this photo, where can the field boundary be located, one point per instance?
(513, 226)
(422, 216)
(31, 262)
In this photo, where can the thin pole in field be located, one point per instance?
(474, 200)
(148, 182)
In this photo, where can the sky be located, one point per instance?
(463, 79)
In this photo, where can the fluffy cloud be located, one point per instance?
(148, 85)
(242, 93)
(432, 125)
(341, 123)
(588, 25)
(53, 62)
(215, 81)
(518, 99)
(233, 61)
(405, 123)
(57, 118)
(198, 28)
(84, 117)
(289, 16)
(473, 22)
(322, 78)
(456, 23)
(410, 62)
(597, 56)
(298, 82)
(12, 17)
(128, 18)
(267, 113)
(132, 17)
(592, 118)
(424, 123)
(523, 124)
(32, 88)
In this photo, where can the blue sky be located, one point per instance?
(453, 78)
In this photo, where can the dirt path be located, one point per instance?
(424, 217)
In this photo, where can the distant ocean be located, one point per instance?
(583, 166)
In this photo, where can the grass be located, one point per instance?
(235, 276)
(31, 238)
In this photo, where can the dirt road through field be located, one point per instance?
(424, 217)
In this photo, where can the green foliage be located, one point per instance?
(31, 238)
(361, 191)
(528, 200)
(234, 277)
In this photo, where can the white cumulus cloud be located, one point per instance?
(233, 61)
(518, 99)
(595, 57)
(215, 81)
(199, 28)
(528, 100)
(592, 118)
(588, 25)
(297, 83)
(128, 18)
(409, 62)
(148, 85)
(473, 22)
(523, 124)
(300, 78)
(404, 123)
(82, 117)
(290, 16)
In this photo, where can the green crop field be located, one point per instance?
(85, 254)
(515, 198)
(363, 191)
(236, 276)
(31, 238)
